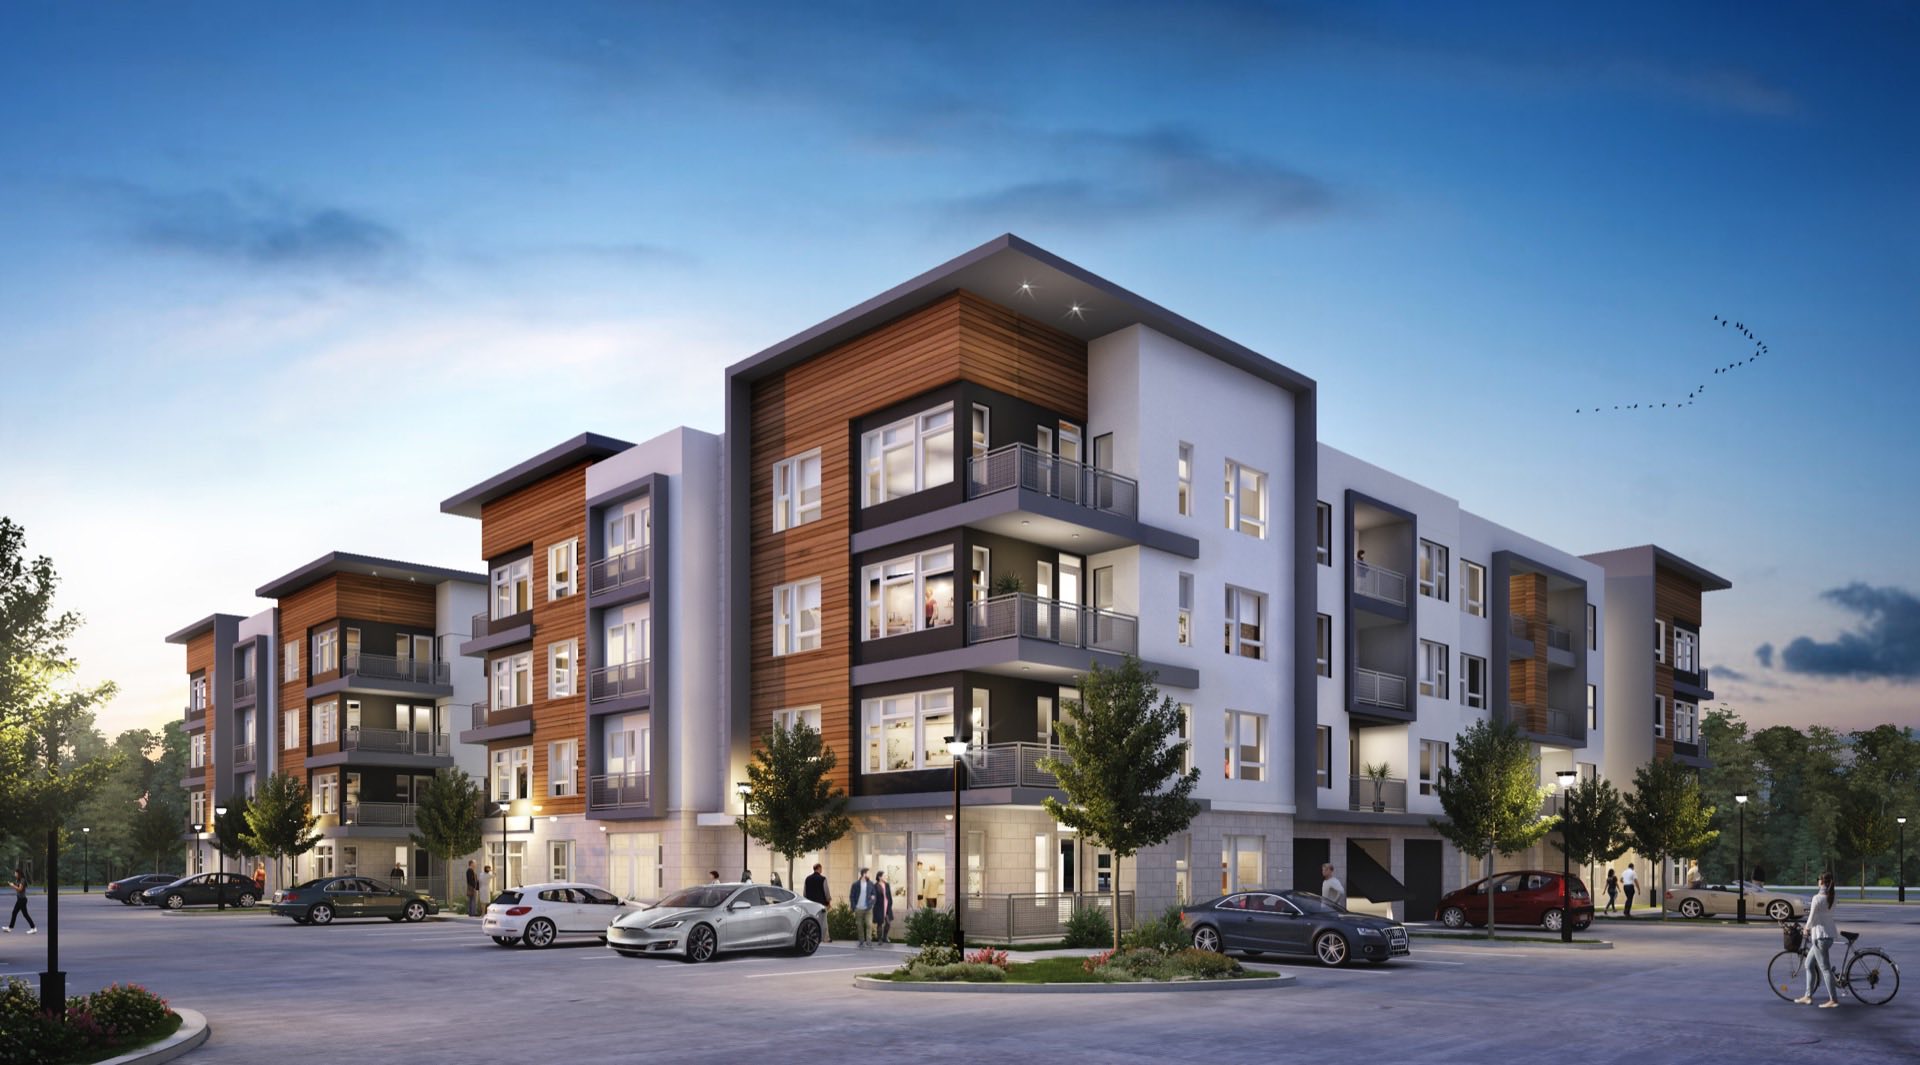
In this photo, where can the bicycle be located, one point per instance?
(1868, 975)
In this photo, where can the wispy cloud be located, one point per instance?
(256, 226)
(1885, 646)
(1728, 673)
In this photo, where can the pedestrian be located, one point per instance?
(260, 878)
(1693, 874)
(486, 886)
(775, 877)
(815, 890)
(882, 906)
(1331, 888)
(473, 890)
(746, 876)
(861, 897)
(1613, 889)
(713, 876)
(1820, 936)
(1629, 883)
(19, 886)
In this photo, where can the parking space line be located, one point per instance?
(810, 972)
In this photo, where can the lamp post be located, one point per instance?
(745, 791)
(220, 880)
(53, 982)
(1903, 857)
(958, 749)
(86, 861)
(1567, 778)
(503, 807)
(1740, 908)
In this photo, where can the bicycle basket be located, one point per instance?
(1794, 938)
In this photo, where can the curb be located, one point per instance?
(1247, 983)
(1484, 943)
(194, 1031)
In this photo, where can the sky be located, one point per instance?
(274, 280)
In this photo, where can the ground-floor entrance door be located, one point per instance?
(1308, 856)
(1422, 877)
(633, 864)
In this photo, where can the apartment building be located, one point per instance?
(229, 695)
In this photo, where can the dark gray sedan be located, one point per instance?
(1292, 922)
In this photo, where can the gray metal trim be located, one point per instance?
(496, 640)
(586, 447)
(979, 657)
(353, 682)
(1362, 817)
(506, 730)
(384, 759)
(201, 626)
(342, 562)
(626, 704)
(1021, 501)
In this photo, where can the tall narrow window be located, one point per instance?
(1245, 633)
(1103, 587)
(796, 490)
(290, 660)
(1659, 716)
(1246, 748)
(1659, 641)
(289, 729)
(1433, 570)
(1323, 756)
(1593, 627)
(1246, 500)
(561, 658)
(563, 578)
(1473, 681)
(1473, 580)
(1186, 736)
(982, 431)
(1433, 669)
(1593, 708)
(980, 574)
(796, 617)
(1323, 645)
(1186, 610)
(1323, 533)
(1185, 474)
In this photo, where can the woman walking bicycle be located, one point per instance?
(1820, 936)
(1869, 975)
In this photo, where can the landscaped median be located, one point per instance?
(943, 968)
(120, 1023)
(1480, 939)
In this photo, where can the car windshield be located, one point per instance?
(309, 884)
(695, 898)
(1309, 902)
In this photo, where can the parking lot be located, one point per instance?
(441, 992)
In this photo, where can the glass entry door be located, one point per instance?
(1070, 598)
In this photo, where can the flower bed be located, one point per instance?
(107, 1023)
(942, 964)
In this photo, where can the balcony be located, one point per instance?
(611, 790)
(242, 753)
(1379, 689)
(1013, 765)
(1379, 582)
(1067, 624)
(407, 670)
(620, 681)
(491, 633)
(1561, 722)
(491, 722)
(196, 713)
(395, 741)
(378, 814)
(621, 570)
(1026, 467)
(244, 688)
(1392, 800)
(1559, 639)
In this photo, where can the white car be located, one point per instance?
(538, 914)
(698, 922)
(1714, 900)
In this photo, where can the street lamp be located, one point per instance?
(1740, 910)
(502, 808)
(1903, 857)
(220, 881)
(957, 747)
(745, 791)
(86, 861)
(1567, 778)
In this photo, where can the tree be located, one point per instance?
(448, 813)
(280, 820)
(1121, 767)
(1736, 770)
(1492, 800)
(230, 830)
(794, 808)
(1666, 817)
(155, 833)
(1867, 829)
(1592, 825)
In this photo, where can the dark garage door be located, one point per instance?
(1422, 878)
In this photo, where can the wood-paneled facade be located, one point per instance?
(1676, 603)
(201, 657)
(1527, 677)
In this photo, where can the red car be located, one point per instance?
(1531, 896)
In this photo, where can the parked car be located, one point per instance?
(1531, 896)
(1292, 922)
(204, 890)
(700, 922)
(127, 889)
(1716, 900)
(332, 898)
(538, 914)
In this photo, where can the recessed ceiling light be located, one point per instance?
(1024, 521)
(1076, 536)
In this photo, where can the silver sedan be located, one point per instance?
(700, 922)
(1715, 900)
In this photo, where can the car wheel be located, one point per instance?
(505, 941)
(128, 900)
(1551, 920)
(539, 933)
(808, 940)
(1331, 949)
(416, 911)
(1207, 937)
(1692, 908)
(1453, 917)
(702, 945)
(321, 914)
(176, 901)
(1780, 910)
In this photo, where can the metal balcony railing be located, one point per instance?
(1008, 918)
(1028, 467)
(1519, 628)
(1393, 795)
(1558, 638)
(1379, 582)
(609, 790)
(195, 713)
(616, 571)
(1560, 722)
(387, 667)
(1379, 689)
(1067, 624)
(618, 682)
(243, 688)
(1013, 765)
(242, 753)
(380, 814)
(394, 741)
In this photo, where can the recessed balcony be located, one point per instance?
(1377, 688)
(1379, 583)
(497, 723)
(1027, 468)
(1019, 614)
(620, 571)
(396, 741)
(242, 754)
(244, 688)
(1389, 796)
(623, 681)
(613, 790)
(378, 814)
(1013, 765)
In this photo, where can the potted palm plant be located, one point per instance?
(1377, 772)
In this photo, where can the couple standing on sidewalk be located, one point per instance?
(870, 898)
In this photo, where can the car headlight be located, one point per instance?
(1375, 932)
(667, 924)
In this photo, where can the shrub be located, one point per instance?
(927, 925)
(94, 1024)
(990, 956)
(1095, 962)
(934, 954)
(841, 923)
(1152, 963)
(1197, 964)
(1088, 927)
(961, 971)
(127, 1011)
(1163, 933)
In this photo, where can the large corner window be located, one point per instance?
(1246, 500)
(796, 490)
(513, 588)
(909, 594)
(908, 731)
(796, 617)
(1246, 749)
(911, 455)
(1245, 630)
(1473, 580)
(1433, 570)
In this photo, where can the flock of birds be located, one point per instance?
(1759, 349)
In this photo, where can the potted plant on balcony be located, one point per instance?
(1006, 584)
(1377, 772)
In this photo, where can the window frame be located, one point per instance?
(876, 713)
(1659, 641)
(563, 677)
(877, 578)
(1323, 645)
(290, 728)
(1593, 707)
(1659, 717)
(1430, 685)
(1473, 588)
(563, 753)
(513, 664)
(792, 715)
(290, 660)
(1237, 766)
(570, 550)
(1323, 533)
(326, 651)
(873, 454)
(1468, 697)
(1593, 626)
(1434, 756)
(1183, 477)
(791, 507)
(505, 583)
(1323, 756)
(1238, 520)
(1430, 570)
(1183, 617)
(1237, 645)
(515, 770)
(1686, 650)
(790, 634)
(324, 711)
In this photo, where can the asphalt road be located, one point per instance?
(441, 992)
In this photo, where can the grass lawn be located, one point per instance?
(1057, 971)
(163, 1032)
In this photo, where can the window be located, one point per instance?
(512, 774)
(982, 431)
(326, 651)
(1323, 533)
(1245, 635)
(562, 758)
(1323, 756)
(909, 594)
(979, 717)
(909, 731)
(1593, 708)
(1659, 716)
(1246, 745)
(1103, 451)
(513, 680)
(1185, 634)
(289, 729)
(1186, 736)
(629, 527)
(796, 617)
(353, 650)
(789, 718)
(326, 722)
(1242, 863)
(563, 577)
(1246, 500)
(513, 588)
(1323, 645)
(326, 793)
(1593, 627)
(1433, 669)
(197, 694)
(561, 659)
(1473, 582)
(1473, 681)
(1433, 570)
(197, 808)
(1686, 722)
(197, 751)
(1433, 756)
(796, 490)
(911, 455)
(1103, 588)
(290, 660)
(1659, 641)
(1184, 471)
(560, 859)
(1686, 651)
(979, 574)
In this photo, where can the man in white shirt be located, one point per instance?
(1331, 888)
(1628, 882)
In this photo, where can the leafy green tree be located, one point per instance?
(794, 807)
(448, 814)
(1666, 816)
(156, 835)
(1867, 829)
(280, 819)
(1592, 826)
(230, 830)
(1121, 771)
(1492, 800)
(1736, 770)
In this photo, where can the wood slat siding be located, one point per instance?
(812, 405)
(313, 605)
(1527, 678)
(1675, 598)
(200, 657)
(380, 599)
(540, 515)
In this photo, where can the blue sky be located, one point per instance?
(274, 282)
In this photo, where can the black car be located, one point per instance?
(204, 890)
(330, 898)
(127, 889)
(1292, 922)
